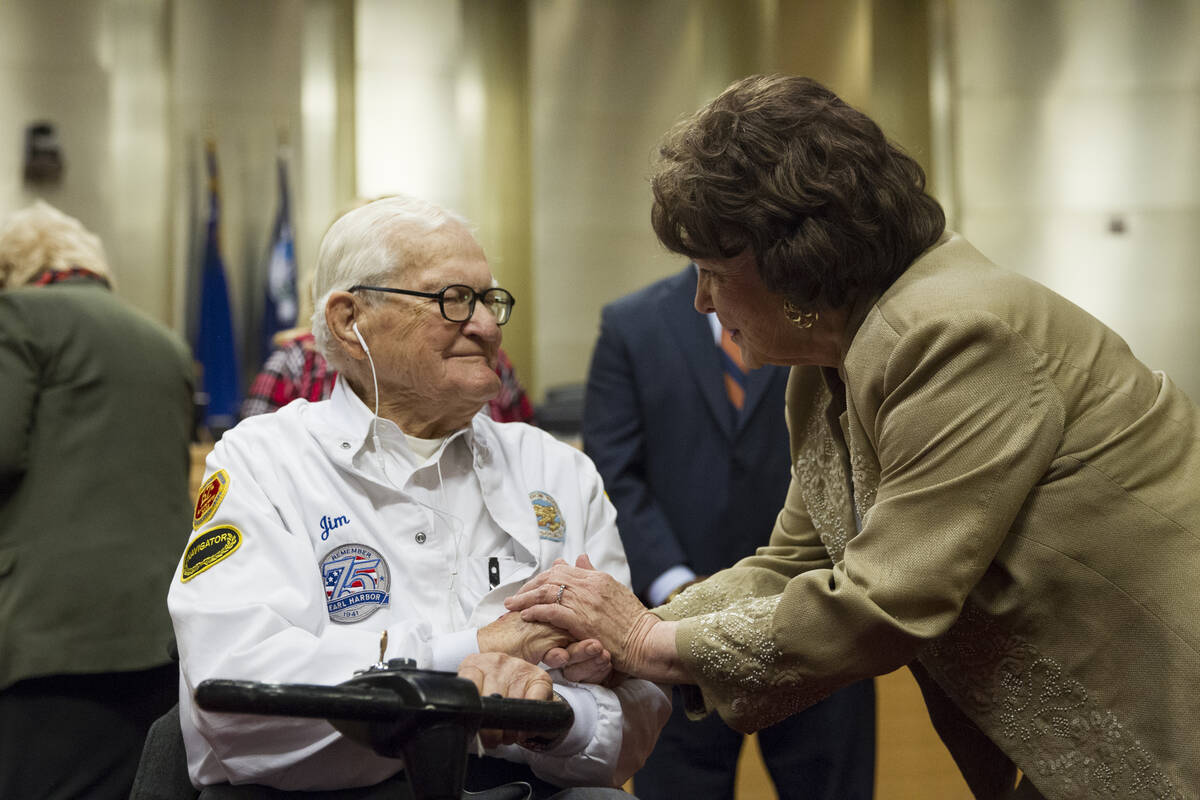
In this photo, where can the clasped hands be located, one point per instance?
(577, 619)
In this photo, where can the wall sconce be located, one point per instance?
(43, 156)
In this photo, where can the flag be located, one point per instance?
(215, 347)
(281, 302)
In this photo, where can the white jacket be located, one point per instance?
(310, 542)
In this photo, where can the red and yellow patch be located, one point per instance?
(210, 497)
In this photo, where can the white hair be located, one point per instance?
(41, 237)
(370, 244)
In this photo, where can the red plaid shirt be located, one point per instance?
(295, 369)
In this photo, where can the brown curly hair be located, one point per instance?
(782, 166)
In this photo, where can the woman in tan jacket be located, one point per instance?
(987, 486)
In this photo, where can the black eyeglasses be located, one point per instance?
(457, 301)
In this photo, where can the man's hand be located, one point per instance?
(528, 641)
(507, 676)
(582, 662)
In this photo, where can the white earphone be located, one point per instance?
(360, 338)
(375, 383)
(455, 522)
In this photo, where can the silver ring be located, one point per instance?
(562, 587)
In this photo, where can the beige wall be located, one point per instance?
(235, 80)
(97, 71)
(260, 79)
(539, 118)
(608, 79)
(1074, 147)
(536, 118)
(135, 86)
(1064, 141)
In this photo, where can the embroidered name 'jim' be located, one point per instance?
(328, 523)
(357, 580)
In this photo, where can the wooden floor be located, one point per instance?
(911, 763)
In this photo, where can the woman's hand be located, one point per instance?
(590, 604)
(507, 676)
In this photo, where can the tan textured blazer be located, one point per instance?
(995, 492)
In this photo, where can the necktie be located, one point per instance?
(735, 371)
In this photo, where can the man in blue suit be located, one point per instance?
(697, 483)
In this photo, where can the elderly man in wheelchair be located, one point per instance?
(390, 522)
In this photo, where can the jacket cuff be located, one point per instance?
(449, 650)
(583, 729)
(666, 583)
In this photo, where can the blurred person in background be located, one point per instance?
(987, 486)
(662, 374)
(398, 511)
(95, 419)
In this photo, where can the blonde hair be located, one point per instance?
(41, 237)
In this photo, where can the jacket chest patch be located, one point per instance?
(549, 519)
(357, 580)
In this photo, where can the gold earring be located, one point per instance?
(801, 319)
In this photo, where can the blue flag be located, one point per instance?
(282, 304)
(215, 347)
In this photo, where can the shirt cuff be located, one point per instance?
(583, 704)
(449, 650)
(666, 583)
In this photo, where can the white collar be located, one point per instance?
(347, 417)
(715, 324)
(342, 425)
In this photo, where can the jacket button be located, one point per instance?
(345, 445)
(420, 537)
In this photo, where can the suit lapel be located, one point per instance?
(693, 335)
